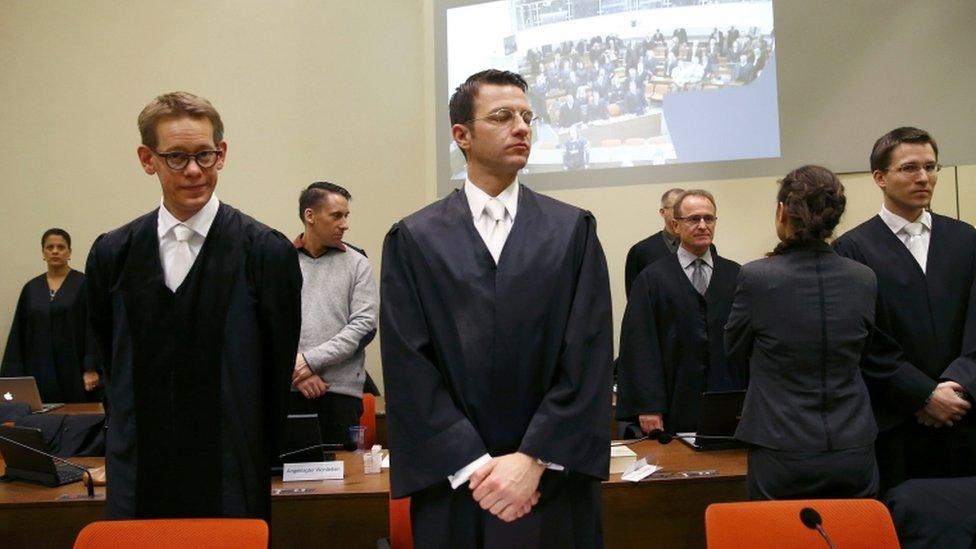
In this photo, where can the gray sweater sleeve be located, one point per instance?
(363, 309)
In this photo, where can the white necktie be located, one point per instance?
(915, 243)
(182, 258)
(497, 229)
(698, 276)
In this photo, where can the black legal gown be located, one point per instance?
(483, 359)
(198, 379)
(51, 341)
(931, 315)
(672, 343)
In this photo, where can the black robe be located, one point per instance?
(672, 343)
(483, 359)
(197, 380)
(932, 316)
(642, 254)
(51, 341)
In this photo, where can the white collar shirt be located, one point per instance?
(903, 228)
(199, 225)
(483, 222)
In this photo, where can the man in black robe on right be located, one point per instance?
(926, 267)
(496, 340)
(672, 339)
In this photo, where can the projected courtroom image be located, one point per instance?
(623, 83)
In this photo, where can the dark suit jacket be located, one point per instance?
(642, 254)
(931, 315)
(802, 320)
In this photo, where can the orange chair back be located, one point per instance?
(850, 523)
(401, 532)
(174, 533)
(368, 419)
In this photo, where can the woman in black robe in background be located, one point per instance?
(50, 338)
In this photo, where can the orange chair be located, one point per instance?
(401, 532)
(850, 523)
(368, 418)
(174, 533)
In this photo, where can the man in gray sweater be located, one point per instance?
(339, 309)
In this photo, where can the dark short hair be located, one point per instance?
(881, 153)
(814, 200)
(461, 105)
(669, 192)
(676, 211)
(56, 232)
(177, 104)
(316, 194)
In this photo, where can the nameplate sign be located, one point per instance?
(313, 470)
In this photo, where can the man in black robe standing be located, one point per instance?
(496, 340)
(926, 267)
(196, 308)
(656, 246)
(672, 339)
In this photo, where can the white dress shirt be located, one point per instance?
(687, 261)
(918, 244)
(484, 223)
(174, 268)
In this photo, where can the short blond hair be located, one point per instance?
(177, 104)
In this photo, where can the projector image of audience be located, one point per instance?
(604, 77)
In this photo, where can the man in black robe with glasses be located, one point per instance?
(496, 339)
(196, 308)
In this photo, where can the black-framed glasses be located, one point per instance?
(505, 115)
(694, 220)
(178, 160)
(912, 168)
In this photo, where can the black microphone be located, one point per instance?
(89, 483)
(811, 519)
(665, 437)
(345, 446)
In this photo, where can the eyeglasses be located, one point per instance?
(506, 115)
(911, 168)
(694, 220)
(179, 160)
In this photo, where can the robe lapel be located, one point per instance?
(462, 221)
(522, 244)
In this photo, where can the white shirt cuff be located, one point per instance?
(462, 476)
(552, 466)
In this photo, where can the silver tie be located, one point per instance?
(497, 229)
(698, 276)
(182, 258)
(916, 245)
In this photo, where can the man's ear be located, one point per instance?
(879, 179)
(146, 159)
(462, 136)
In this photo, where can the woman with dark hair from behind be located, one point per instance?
(50, 338)
(801, 318)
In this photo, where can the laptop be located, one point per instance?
(301, 431)
(719, 413)
(24, 464)
(24, 389)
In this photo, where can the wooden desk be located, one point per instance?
(353, 512)
(79, 408)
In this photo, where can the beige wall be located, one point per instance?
(308, 90)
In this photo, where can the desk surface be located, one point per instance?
(670, 511)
